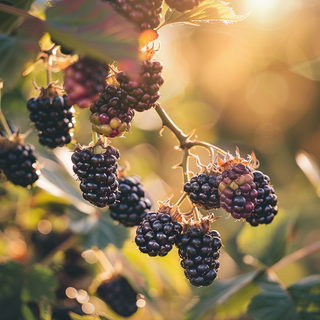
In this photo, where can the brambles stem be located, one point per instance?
(104, 261)
(196, 214)
(181, 199)
(2, 118)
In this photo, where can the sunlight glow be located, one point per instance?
(263, 4)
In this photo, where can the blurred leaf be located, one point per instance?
(40, 284)
(75, 316)
(11, 281)
(207, 11)
(267, 243)
(97, 231)
(45, 311)
(218, 293)
(27, 313)
(306, 296)
(17, 53)
(309, 69)
(8, 20)
(93, 28)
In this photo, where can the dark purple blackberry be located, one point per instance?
(18, 161)
(141, 93)
(84, 81)
(199, 253)
(52, 116)
(158, 231)
(203, 191)
(145, 14)
(98, 174)
(119, 296)
(110, 117)
(131, 205)
(238, 194)
(182, 5)
(266, 207)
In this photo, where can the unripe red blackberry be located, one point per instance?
(110, 116)
(145, 14)
(183, 5)
(142, 92)
(52, 116)
(84, 81)
(131, 205)
(203, 191)
(119, 296)
(98, 174)
(199, 253)
(158, 231)
(18, 161)
(238, 194)
(266, 207)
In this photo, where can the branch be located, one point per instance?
(17, 12)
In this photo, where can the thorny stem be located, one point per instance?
(49, 76)
(104, 261)
(2, 118)
(181, 199)
(196, 214)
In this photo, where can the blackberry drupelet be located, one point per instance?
(266, 207)
(203, 191)
(182, 5)
(141, 93)
(84, 81)
(158, 231)
(131, 205)
(110, 116)
(18, 161)
(199, 253)
(98, 174)
(52, 116)
(119, 295)
(238, 194)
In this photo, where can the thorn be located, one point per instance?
(191, 155)
(161, 130)
(191, 133)
(177, 166)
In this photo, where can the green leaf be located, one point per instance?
(208, 11)
(306, 296)
(309, 69)
(40, 284)
(27, 313)
(93, 28)
(273, 302)
(45, 311)
(267, 243)
(18, 53)
(75, 316)
(11, 281)
(219, 293)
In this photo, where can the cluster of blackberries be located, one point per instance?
(110, 116)
(183, 5)
(18, 162)
(54, 119)
(141, 93)
(84, 81)
(199, 251)
(98, 174)
(131, 205)
(119, 295)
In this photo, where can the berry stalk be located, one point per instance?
(2, 118)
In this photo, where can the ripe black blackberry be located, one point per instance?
(119, 295)
(52, 116)
(266, 207)
(84, 81)
(203, 191)
(182, 5)
(131, 205)
(97, 173)
(199, 253)
(110, 117)
(158, 231)
(142, 92)
(18, 161)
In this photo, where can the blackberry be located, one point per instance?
(131, 206)
(98, 174)
(84, 81)
(52, 116)
(203, 191)
(110, 117)
(183, 5)
(141, 93)
(158, 231)
(266, 207)
(199, 253)
(119, 295)
(145, 14)
(18, 161)
(238, 194)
